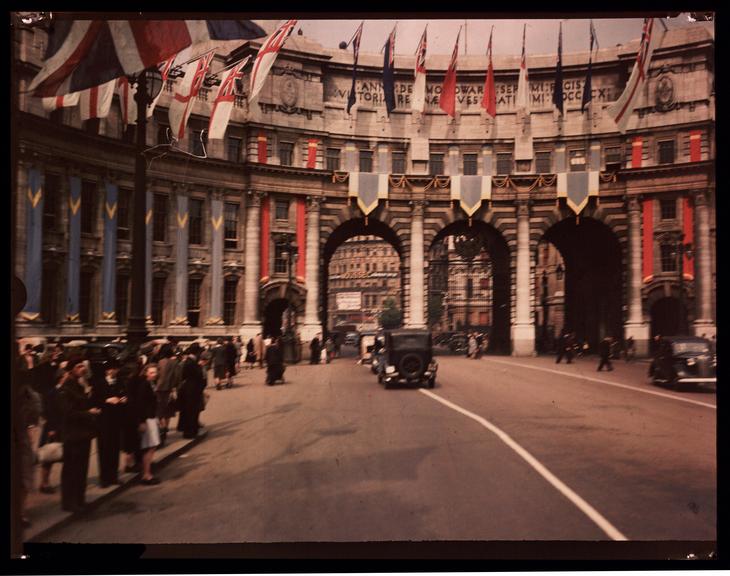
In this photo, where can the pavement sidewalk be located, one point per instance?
(44, 510)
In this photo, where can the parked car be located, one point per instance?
(365, 346)
(377, 353)
(458, 343)
(407, 357)
(97, 353)
(683, 360)
(351, 339)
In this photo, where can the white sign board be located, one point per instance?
(349, 300)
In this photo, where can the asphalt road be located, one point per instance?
(501, 449)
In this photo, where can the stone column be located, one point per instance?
(251, 324)
(523, 330)
(416, 316)
(312, 324)
(704, 323)
(635, 325)
(182, 226)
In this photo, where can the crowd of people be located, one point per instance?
(569, 347)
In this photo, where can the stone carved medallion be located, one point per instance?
(665, 93)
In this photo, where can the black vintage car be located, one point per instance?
(683, 360)
(407, 357)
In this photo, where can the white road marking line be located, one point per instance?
(601, 381)
(610, 530)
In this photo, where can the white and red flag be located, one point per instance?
(164, 68)
(419, 83)
(447, 100)
(127, 102)
(523, 86)
(266, 56)
(220, 114)
(622, 109)
(55, 102)
(489, 101)
(95, 102)
(182, 103)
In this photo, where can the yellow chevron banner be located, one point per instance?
(148, 217)
(74, 205)
(217, 222)
(182, 221)
(110, 210)
(34, 199)
(30, 316)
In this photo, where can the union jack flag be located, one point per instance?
(421, 54)
(644, 46)
(356, 49)
(418, 101)
(223, 103)
(181, 105)
(164, 68)
(266, 56)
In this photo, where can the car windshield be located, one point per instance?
(690, 348)
(410, 341)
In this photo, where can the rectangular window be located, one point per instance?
(399, 162)
(194, 301)
(577, 160)
(286, 153)
(122, 298)
(435, 164)
(51, 199)
(198, 141)
(669, 259)
(230, 232)
(470, 164)
(195, 232)
(504, 163)
(86, 290)
(124, 213)
(159, 217)
(614, 157)
(235, 145)
(543, 163)
(333, 159)
(668, 208)
(158, 299)
(229, 300)
(280, 262)
(88, 206)
(282, 210)
(366, 160)
(666, 152)
(162, 136)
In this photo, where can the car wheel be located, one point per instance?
(411, 365)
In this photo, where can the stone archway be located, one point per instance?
(278, 297)
(591, 253)
(477, 288)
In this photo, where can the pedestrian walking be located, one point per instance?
(480, 342)
(147, 425)
(604, 350)
(259, 349)
(79, 428)
(109, 396)
(274, 363)
(630, 349)
(239, 350)
(565, 348)
(168, 381)
(231, 355)
(315, 351)
(46, 377)
(251, 353)
(30, 405)
(190, 397)
(471, 349)
(219, 363)
(330, 348)
(129, 377)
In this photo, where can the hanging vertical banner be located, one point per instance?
(97, 101)
(388, 73)
(182, 104)
(522, 101)
(148, 259)
(577, 187)
(265, 239)
(266, 55)
(418, 100)
(489, 101)
(688, 226)
(220, 114)
(301, 239)
(52, 103)
(74, 249)
(181, 260)
(587, 84)
(216, 269)
(636, 152)
(34, 245)
(262, 148)
(470, 191)
(695, 146)
(368, 188)
(447, 99)
(647, 260)
(355, 41)
(127, 100)
(109, 267)
(312, 153)
(164, 68)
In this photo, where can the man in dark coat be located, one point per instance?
(604, 349)
(46, 378)
(231, 354)
(274, 362)
(565, 347)
(79, 427)
(315, 350)
(190, 397)
(109, 395)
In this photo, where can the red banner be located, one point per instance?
(263, 153)
(301, 239)
(647, 260)
(688, 217)
(265, 239)
(695, 146)
(636, 151)
(312, 154)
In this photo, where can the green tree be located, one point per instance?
(391, 316)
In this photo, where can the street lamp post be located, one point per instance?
(680, 249)
(149, 84)
(544, 310)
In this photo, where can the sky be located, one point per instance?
(541, 36)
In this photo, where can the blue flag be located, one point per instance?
(558, 89)
(356, 49)
(388, 80)
(587, 88)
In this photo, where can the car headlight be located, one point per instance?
(691, 361)
(390, 369)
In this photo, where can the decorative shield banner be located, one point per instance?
(577, 187)
(470, 191)
(368, 188)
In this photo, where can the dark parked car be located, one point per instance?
(407, 357)
(682, 360)
(97, 353)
